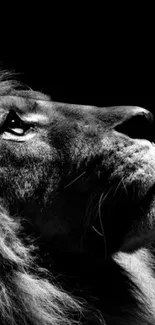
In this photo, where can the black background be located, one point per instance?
(44, 76)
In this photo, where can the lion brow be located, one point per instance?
(19, 105)
(22, 105)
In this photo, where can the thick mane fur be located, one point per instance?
(26, 295)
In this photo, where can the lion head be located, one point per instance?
(79, 178)
(62, 164)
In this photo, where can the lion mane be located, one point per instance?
(76, 212)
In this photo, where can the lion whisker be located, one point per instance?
(74, 180)
(102, 198)
(119, 184)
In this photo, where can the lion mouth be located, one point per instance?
(130, 217)
(142, 231)
(149, 196)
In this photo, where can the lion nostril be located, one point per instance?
(139, 126)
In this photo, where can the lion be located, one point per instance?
(77, 193)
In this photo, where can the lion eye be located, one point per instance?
(13, 124)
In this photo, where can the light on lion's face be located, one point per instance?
(63, 167)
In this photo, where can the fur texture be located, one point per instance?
(76, 212)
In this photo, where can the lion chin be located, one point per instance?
(77, 207)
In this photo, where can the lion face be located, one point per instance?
(69, 168)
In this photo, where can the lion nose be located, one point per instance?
(138, 125)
